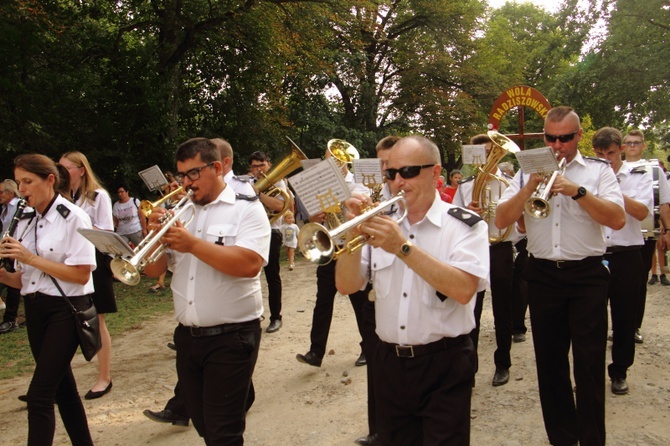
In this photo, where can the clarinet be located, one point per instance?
(8, 264)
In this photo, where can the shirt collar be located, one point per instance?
(579, 159)
(434, 214)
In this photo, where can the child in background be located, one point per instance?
(289, 232)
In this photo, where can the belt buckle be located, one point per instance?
(195, 331)
(559, 263)
(404, 351)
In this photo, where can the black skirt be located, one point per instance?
(103, 281)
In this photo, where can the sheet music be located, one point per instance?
(320, 186)
(153, 178)
(368, 171)
(306, 164)
(107, 242)
(474, 154)
(540, 160)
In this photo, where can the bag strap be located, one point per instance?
(74, 310)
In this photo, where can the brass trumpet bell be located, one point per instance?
(147, 207)
(342, 151)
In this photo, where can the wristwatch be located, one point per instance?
(580, 193)
(405, 249)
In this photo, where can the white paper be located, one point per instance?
(368, 172)
(321, 186)
(306, 164)
(474, 154)
(540, 160)
(107, 242)
(153, 178)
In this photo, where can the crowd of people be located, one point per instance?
(416, 287)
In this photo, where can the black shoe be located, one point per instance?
(368, 440)
(519, 337)
(274, 326)
(8, 326)
(638, 337)
(171, 346)
(619, 386)
(23, 398)
(361, 360)
(664, 280)
(167, 416)
(310, 358)
(500, 378)
(653, 280)
(91, 395)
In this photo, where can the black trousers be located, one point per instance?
(53, 342)
(502, 266)
(273, 277)
(519, 289)
(568, 307)
(627, 270)
(215, 377)
(323, 309)
(425, 399)
(13, 300)
(370, 341)
(647, 257)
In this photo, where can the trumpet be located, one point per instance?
(128, 271)
(318, 244)
(147, 207)
(537, 206)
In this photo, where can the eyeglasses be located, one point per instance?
(562, 138)
(406, 172)
(633, 143)
(192, 174)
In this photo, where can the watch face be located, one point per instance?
(405, 248)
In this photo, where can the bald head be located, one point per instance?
(425, 150)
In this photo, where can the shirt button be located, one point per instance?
(190, 303)
(199, 230)
(411, 236)
(556, 224)
(191, 278)
(555, 246)
(404, 294)
(374, 265)
(32, 283)
(402, 327)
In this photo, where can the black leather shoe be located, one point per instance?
(653, 280)
(361, 361)
(23, 398)
(500, 378)
(91, 395)
(638, 337)
(9, 326)
(619, 386)
(310, 358)
(167, 416)
(368, 440)
(519, 337)
(171, 346)
(274, 326)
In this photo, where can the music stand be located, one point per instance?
(107, 242)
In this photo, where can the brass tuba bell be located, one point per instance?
(342, 151)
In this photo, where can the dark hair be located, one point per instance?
(123, 186)
(37, 164)
(482, 138)
(455, 172)
(259, 156)
(194, 146)
(62, 186)
(557, 114)
(605, 137)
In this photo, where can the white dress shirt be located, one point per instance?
(637, 186)
(569, 233)
(204, 296)
(407, 309)
(59, 241)
(8, 212)
(100, 211)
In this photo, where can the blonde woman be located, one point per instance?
(88, 194)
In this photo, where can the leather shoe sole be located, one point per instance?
(368, 440)
(309, 358)
(166, 416)
(500, 378)
(361, 361)
(91, 395)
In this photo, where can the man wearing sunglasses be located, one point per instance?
(501, 254)
(567, 281)
(425, 271)
(217, 293)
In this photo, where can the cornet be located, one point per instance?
(537, 206)
(318, 244)
(128, 271)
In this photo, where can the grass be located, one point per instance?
(135, 304)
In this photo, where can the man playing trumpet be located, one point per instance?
(567, 280)
(425, 271)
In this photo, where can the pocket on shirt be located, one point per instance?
(53, 247)
(222, 234)
(381, 263)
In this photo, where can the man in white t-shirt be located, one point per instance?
(129, 222)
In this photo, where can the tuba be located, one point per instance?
(266, 184)
(488, 187)
(342, 151)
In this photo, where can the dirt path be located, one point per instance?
(299, 404)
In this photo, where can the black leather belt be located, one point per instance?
(567, 264)
(501, 244)
(412, 351)
(215, 330)
(615, 249)
(38, 294)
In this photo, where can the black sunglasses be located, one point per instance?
(406, 172)
(562, 138)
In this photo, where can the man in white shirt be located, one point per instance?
(9, 198)
(425, 271)
(217, 293)
(567, 280)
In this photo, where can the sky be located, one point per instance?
(549, 5)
